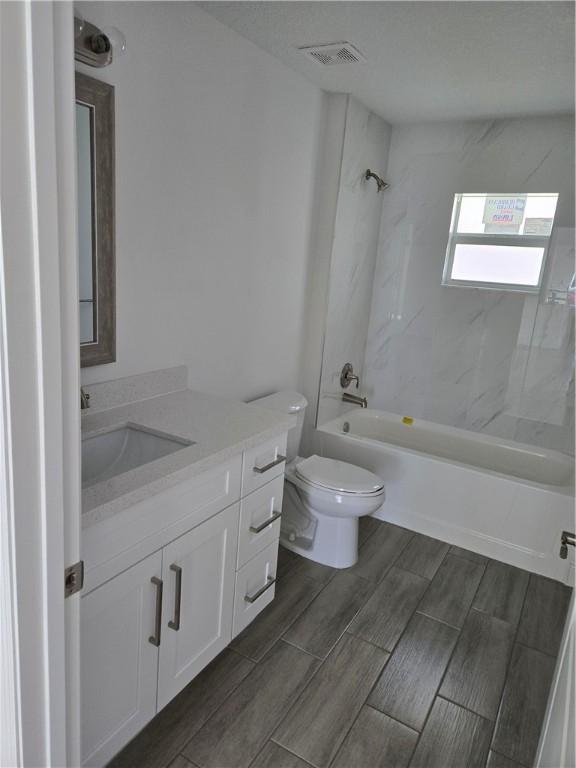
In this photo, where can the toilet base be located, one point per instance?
(335, 540)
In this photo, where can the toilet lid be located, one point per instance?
(338, 475)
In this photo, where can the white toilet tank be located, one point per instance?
(287, 401)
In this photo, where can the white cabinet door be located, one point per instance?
(198, 574)
(119, 664)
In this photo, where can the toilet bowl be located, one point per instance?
(323, 498)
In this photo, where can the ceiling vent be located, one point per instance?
(333, 53)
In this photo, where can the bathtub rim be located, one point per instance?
(331, 427)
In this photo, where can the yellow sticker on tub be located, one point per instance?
(407, 420)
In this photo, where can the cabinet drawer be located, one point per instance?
(255, 585)
(263, 463)
(260, 519)
(123, 539)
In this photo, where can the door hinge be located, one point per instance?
(73, 578)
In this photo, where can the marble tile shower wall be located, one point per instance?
(353, 258)
(495, 362)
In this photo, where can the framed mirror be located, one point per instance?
(96, 203)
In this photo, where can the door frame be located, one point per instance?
(557, 738)
(40, 375)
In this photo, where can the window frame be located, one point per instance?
(483, 238)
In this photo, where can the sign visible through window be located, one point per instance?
(499, 241)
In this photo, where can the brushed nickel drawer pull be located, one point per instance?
(266, 523)
(278, 460)
(252, 598)
(175, 623)
(155, 638)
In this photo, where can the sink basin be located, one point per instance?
(117, 451)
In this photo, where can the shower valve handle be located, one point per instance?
(348, 376)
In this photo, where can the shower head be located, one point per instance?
(379, 181)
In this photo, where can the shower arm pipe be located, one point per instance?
(381, 184)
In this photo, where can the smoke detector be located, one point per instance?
(331, 54)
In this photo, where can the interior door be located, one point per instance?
(198, 572)
(119, 648)
(556, 747)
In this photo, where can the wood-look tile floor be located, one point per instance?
(421, 655)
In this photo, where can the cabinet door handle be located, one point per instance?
(278, 460)
(266, 523)
(252, 598)
(175, 623)
(155, 638)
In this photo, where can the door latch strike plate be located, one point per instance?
(567, 538)
(73, 578)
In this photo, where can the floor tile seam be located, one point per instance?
(401, 637)
(233, 690)
(483, 565)
(302, 692)
(435, 618)
(341, 635)
(287, 709)
(217, 709)
(538, 650)
(359, 708)
(194, 765)
(467, 709)
(508, 666)
(469, 559)
(291, 751)
(312, 601)
(500, 754)
(286, 749)
(370, 642)
(390, 565)
(402, 550)
(393, 717)
(368, 536)
(298, 698)
(431, 707)
(294, 620)
(212, 713)
(349, 730)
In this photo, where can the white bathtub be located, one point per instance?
(505, 500)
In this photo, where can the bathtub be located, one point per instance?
(505, 500)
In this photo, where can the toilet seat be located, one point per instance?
(338, 477)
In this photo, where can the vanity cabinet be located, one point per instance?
(149, 629)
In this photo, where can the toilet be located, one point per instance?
(323, 498)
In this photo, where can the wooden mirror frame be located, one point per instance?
(100, 98)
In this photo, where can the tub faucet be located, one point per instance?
(84, 399)
(356, 399)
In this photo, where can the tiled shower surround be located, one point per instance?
(488, 361)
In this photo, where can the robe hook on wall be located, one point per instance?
(379, 181)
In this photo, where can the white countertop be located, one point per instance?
(220, 429)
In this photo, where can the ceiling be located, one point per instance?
(426, 61)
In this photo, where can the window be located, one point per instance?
(499, 241)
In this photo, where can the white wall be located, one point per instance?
(353, 256)
(216, 151)
(488, 361)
